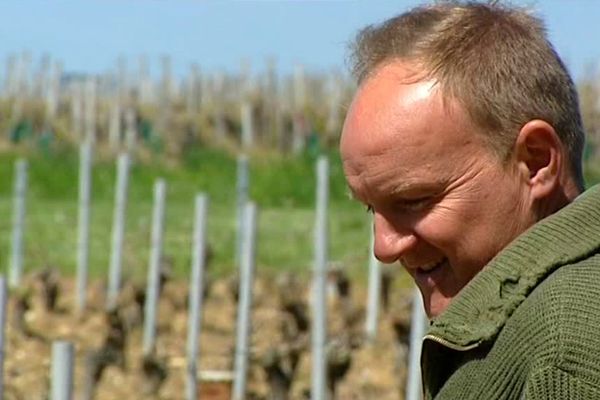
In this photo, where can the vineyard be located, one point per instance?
(193, 238)
(44, 306)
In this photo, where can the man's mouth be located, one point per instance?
(429, 274)
(430, 267)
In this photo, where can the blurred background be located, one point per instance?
(186, 88)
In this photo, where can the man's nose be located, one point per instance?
(391, 239)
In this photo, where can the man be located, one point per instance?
(465, 140)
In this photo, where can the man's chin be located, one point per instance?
(435, 304)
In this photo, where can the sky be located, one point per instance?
(88, 36)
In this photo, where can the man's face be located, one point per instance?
(444, 205)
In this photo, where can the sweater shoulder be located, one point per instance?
(571, 295)
(566, 305)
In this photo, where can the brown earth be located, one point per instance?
(374, 373)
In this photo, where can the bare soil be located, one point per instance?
(376, 370)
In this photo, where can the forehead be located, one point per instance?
(399, 115)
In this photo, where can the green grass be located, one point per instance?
(283, 188)
(592, 174)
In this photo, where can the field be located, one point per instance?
(374, 371)
(283, 189)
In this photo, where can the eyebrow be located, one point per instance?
(404, 188)
(408, 188)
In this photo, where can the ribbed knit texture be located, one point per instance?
(528, 325)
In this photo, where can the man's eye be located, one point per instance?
(415, 204)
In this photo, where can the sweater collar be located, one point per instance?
(482, 307)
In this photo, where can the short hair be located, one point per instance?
(495, 60)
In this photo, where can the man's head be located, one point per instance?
(464, 131)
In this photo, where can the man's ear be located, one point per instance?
(539, 154)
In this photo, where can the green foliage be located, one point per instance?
(283, 188)
(592, 174)
(282, 181)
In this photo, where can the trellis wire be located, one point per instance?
(77, 110)
(247, 125)
(62, 370)
(245, 302)
(20, 193)
(114, 125)
(118, 231)
(90, 110)
(152, 290)
(417, 331)
(83, 222)
(195, 294)
(319, 299)
(243, 184)
(373, 294)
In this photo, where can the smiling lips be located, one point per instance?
(425, 267)
(430, 266)
(429, 275)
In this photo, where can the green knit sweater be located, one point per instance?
(528, 325)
